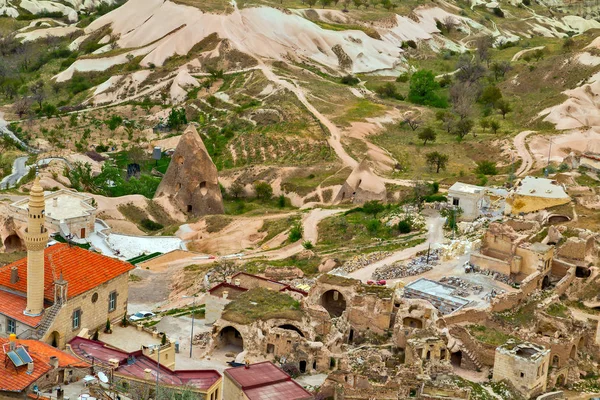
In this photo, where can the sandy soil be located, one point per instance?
(562, 145)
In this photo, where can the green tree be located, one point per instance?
(405, 226)
(325, 3)
(427, 134)
(373, 207)
(373, 225)
(236, 190)
(486, 167)
(81, 177)
(504, 107)
(494, 126)
(422, 89)
(437, 160)
(490, 95)
(463, 128)
(295, 233)
(263, 190)
(176, 118)
(484, 123)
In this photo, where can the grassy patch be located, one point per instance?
(558, 310)
(489, 335)
(7, 258)
(262, 304)
(274, 227)
(216, 223)
(361, 110)
(134, 278)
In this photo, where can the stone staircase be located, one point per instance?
(472, 358)
(48, 318)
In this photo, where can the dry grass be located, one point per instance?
(262, 304)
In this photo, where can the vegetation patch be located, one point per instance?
(262, 304)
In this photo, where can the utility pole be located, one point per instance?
(547, 172)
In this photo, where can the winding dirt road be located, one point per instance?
(523, 152)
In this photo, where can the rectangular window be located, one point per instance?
(76, 319)
(11, 325)
(455, 201)
(112, 301)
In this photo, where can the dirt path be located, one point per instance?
(523, 152)
(435, 235)
(520, 53)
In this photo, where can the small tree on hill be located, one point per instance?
(176, 118)
(484, 123)
(373, 207)
(437, 160)
(463, 128)
(504, 107)
(423, 88)
(427, 134)
(263, 190)
(494, 126)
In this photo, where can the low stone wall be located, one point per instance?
(489, 263)
(551, 396)
(484, 352)
(560, 267)
(466, 315)
(562, 285)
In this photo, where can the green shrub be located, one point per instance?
(307, 244)
(498, 12)
(151, 225)
(403, 77)
(114, 122)
(486, 167)
(405, 226)
(350, 80)
(373, 225)
(423, 88)
(295, 233)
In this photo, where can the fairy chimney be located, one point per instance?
(191, 182)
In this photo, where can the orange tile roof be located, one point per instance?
(82, 269)
(12, 305)
(17, 380)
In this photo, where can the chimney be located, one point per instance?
(247, 364)
(30, 368)
(12, 339)
(225, 294)
(228, 279)
(237, 282)
(53, 362)
(147, 374)
(55, 202)
(60, 394)
(14, 275)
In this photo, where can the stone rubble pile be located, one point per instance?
(497, 276)
(416, 266)
(463, 288)
(362, 260)
(202, 339)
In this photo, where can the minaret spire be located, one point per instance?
(36, 239)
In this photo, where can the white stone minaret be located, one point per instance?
(36, 239)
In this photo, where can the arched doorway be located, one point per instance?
(412, 322)
(555, 361)
(333, 302)
(573, 352)
(560, 381)
(12, 243)
(231, 338)
(291, 327)
(545, 282)
(456, 359)
(54, 339)
(302, 367)
(351, 336)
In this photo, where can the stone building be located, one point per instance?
(505, 251)
(361, 186)
(191, 183)
(57, 291)
(470, 198)
(49, 367)
(261, 381)
(524, 366)
(67, 212)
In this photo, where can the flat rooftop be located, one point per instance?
(63, 205)
(541, 187)
(437, 289)
(466, 188)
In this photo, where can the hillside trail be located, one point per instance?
(523, 152)
(335, 137)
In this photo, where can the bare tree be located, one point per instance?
(21, 106)
(447, 119)
(450, 22)
(469, 70)
(413, 121)
(500, 69)
(463, 97)
(483, 44)
(38, 92)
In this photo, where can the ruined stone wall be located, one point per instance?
(484, 352)
(560, 268)
(575, 250)
(370, 313)
(562, 285)
(527, 375)
(488, 263)
(465, 315)
(498, 243)
(523, 225)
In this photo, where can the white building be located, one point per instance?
(470, 198)
(67, 212)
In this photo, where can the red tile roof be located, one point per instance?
(82, 269)
(265, 381)
(17, 380)
(12, 305)
(99, 352)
